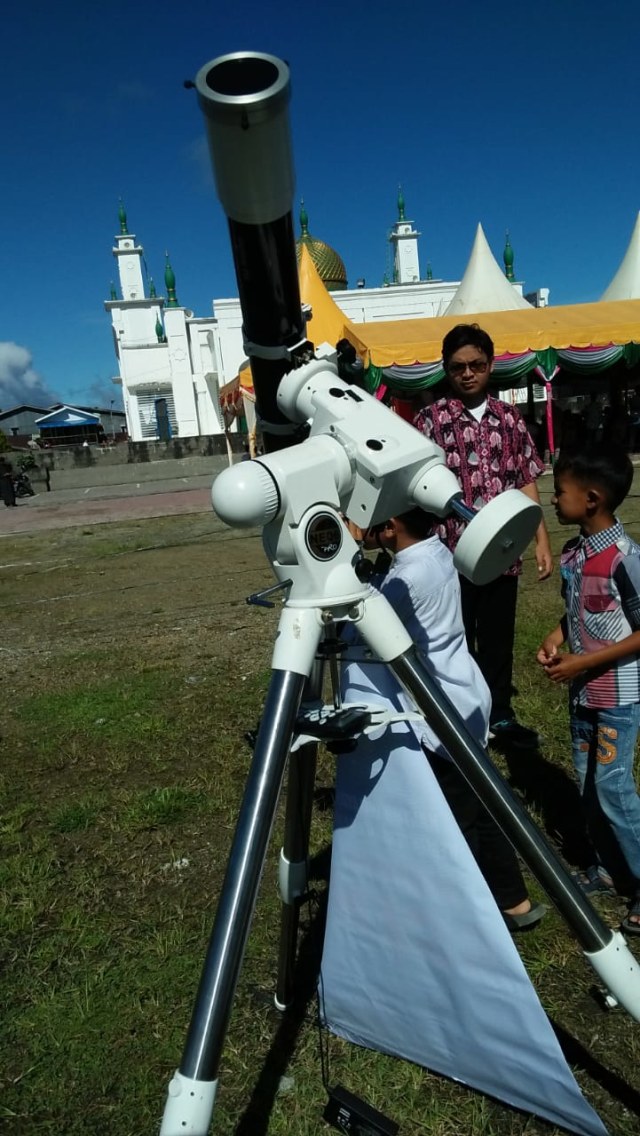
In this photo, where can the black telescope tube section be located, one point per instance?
(265, 261)
(264, 257)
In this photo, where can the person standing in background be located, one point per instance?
(7, 488)
(488, 447)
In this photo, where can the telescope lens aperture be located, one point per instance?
(234, 78)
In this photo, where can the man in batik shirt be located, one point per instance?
(488, 447)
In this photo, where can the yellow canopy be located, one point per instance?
(404, 342)
(328, 323)
(232, 394)
(246, 382)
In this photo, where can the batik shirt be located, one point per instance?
(487, 457)
(601, 588)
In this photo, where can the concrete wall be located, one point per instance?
(130, 463)
(132, 474)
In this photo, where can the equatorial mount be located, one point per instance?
(367, 464)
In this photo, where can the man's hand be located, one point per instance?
(544, 560)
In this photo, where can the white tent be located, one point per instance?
(626, 282)
(484, 286)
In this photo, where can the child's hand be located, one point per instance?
(564, 668)
(547, 652)
(356, 532)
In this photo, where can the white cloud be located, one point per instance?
(19, 383)
(197, 154)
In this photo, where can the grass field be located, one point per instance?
(132, 668)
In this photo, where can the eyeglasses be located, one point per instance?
(476, 366)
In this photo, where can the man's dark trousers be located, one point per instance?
(489, 615)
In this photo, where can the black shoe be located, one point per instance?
(508, 732)
(528, 921)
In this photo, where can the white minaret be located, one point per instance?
(129, 257)
(404, 238)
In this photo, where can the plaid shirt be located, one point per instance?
(601, 588)
(487, 457)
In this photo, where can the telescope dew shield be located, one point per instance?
(244, 97)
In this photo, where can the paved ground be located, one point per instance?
(64, 508)
(67, 507)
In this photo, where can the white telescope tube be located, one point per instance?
(244, 97)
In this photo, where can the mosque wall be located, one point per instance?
(172, 365)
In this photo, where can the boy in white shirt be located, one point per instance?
(423, 588)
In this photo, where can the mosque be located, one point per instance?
(172, 364)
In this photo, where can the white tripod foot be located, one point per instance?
(619, 971)
(189, 1106)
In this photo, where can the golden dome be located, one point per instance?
(330, 266)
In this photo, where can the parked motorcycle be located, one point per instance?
(22, 485)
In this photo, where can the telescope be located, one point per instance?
(244, 98)
(357, 461)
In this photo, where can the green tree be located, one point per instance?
(4, 445)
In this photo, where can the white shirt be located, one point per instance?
(478, 411)
(422, 587)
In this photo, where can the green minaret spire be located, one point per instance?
(170, 284)
(160, 336)
(113, 294)
(152, 289)
(122, 217)
(304, 223)
(401, 216)
(507, 256)
(429, 271)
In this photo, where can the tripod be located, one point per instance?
(318, 563)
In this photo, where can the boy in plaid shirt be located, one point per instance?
(601, 587)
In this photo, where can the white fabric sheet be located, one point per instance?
(417, 959)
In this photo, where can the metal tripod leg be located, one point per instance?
(293, 865)
(295, 847)
(192, 1091)
(294, 852)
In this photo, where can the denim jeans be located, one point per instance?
(603, 743)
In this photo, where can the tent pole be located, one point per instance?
(548, 380)
(228, 443)
(550, 437)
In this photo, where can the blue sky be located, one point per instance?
(520, 116)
